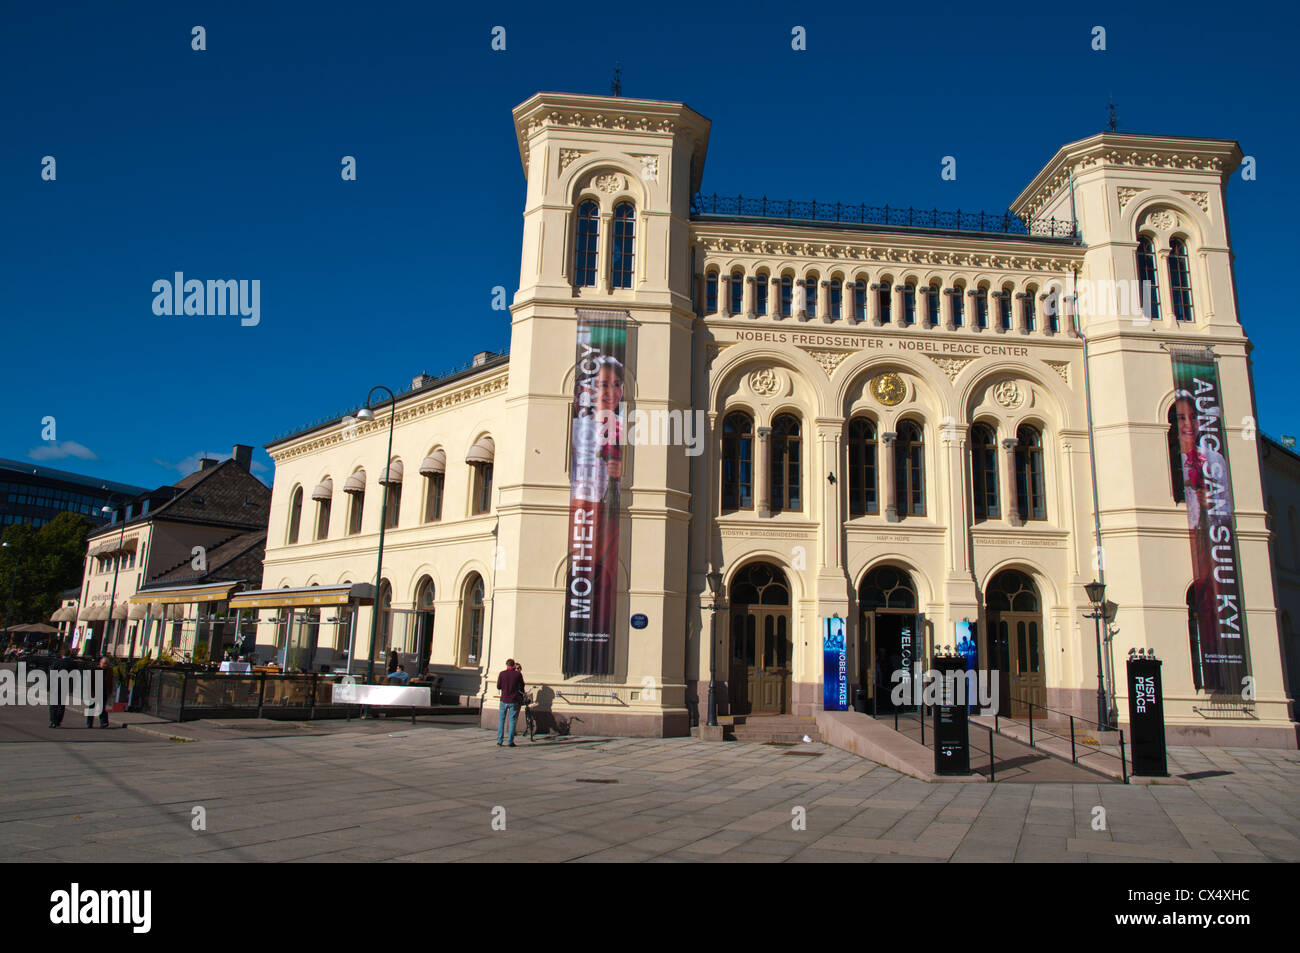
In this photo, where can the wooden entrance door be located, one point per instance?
(761, 650)
(1022, 634)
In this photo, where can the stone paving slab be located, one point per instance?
(359, 793)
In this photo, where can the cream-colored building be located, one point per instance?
(896, 430)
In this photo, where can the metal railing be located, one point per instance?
(987, 223)
(1074, 755)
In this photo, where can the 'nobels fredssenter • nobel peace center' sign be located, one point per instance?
(1211, 524)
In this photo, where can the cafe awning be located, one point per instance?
(129, 545)
(356, 483)
(435, 462)
(391, 473)
(94, 613)
(363, 593)
(64, 614)
(120, 611)
(137, 610)
(482, 452)
(324, 490)
(212, 592)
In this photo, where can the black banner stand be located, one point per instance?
(1146, 717)
(951, 724)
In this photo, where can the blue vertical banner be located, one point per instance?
(835, 681)
(967, 648)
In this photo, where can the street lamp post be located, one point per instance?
(714, 579)
(1097, 596)
(117, 563)
(365, 413)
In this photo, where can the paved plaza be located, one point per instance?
(384, 790)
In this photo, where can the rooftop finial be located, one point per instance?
(1112, 122)
(616, 87)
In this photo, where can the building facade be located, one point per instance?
(161, 574)
(35, 494)
(908, 421)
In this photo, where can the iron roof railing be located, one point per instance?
(889, 216)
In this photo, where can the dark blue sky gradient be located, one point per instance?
(225, 164)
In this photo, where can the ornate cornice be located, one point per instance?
(413, 409)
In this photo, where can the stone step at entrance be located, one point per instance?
(774, 729)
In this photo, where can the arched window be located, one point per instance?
(391, 480)
(737, 462)
(885, 299)
(810, 294)
(984, 472)
(887, 587)
(1031, 492)
(932, 303)
(587, 245)
(424, 609)
(1031, 309)
(1053, 301)
(860, 300)
(1175, 455)
(1006, 303)
(622, 249)
(863, 494)
(759, 584)
(837, 299)
(1194, 638)
(295, 514)
(355, 488)
(473, 613)
(787, 296)
(1180, 281)
(711, 293)
(958, 305)
(909, 303)
(737, 289)
(909, 470)
(982, 308)
(434, 471)
(1012, 591)
(787, 485)
(1147, 280)
(761, 281)
(323, 495)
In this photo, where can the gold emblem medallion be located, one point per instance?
(889, 389)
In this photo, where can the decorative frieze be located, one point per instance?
(951, 365)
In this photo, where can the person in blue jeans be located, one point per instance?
(510, 683)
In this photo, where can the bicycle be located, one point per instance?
(530, 723)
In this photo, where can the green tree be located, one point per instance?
(46, 561)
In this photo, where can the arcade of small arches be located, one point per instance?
(887, 632)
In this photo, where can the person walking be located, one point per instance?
(106, 667)
(392, 661)
(511, 685)
(58, 665)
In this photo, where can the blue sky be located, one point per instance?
(225, 163)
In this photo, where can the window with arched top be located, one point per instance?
(787, 482)
(787, 296)
(887, 587)
(1148, 282)
(711, 293)
(587, 244)
(385, 638)
(737, 462)
(355, 488)
(434, 471)
(759, 584)
(1175, 455)
(909, 303)
(623, 247)
(1012, 591)
(837, 299)
(958, 305)
(1031, 489)
(295, 514)
(473, 612)
(1052, 303)
(932, 303)
(424, 618)
(885, 299)
(761, 282)
(863, 491)
(323, 495)
(1180, 281)
(860, 300)
(982, 308)
(984, 473)
(909, 470)
(810, 294)
(391, 481)
(1031, 309)
(736, 288)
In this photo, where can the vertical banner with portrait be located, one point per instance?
(968, 649)
(595, 470)
(835, 672)
(1211, 525)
